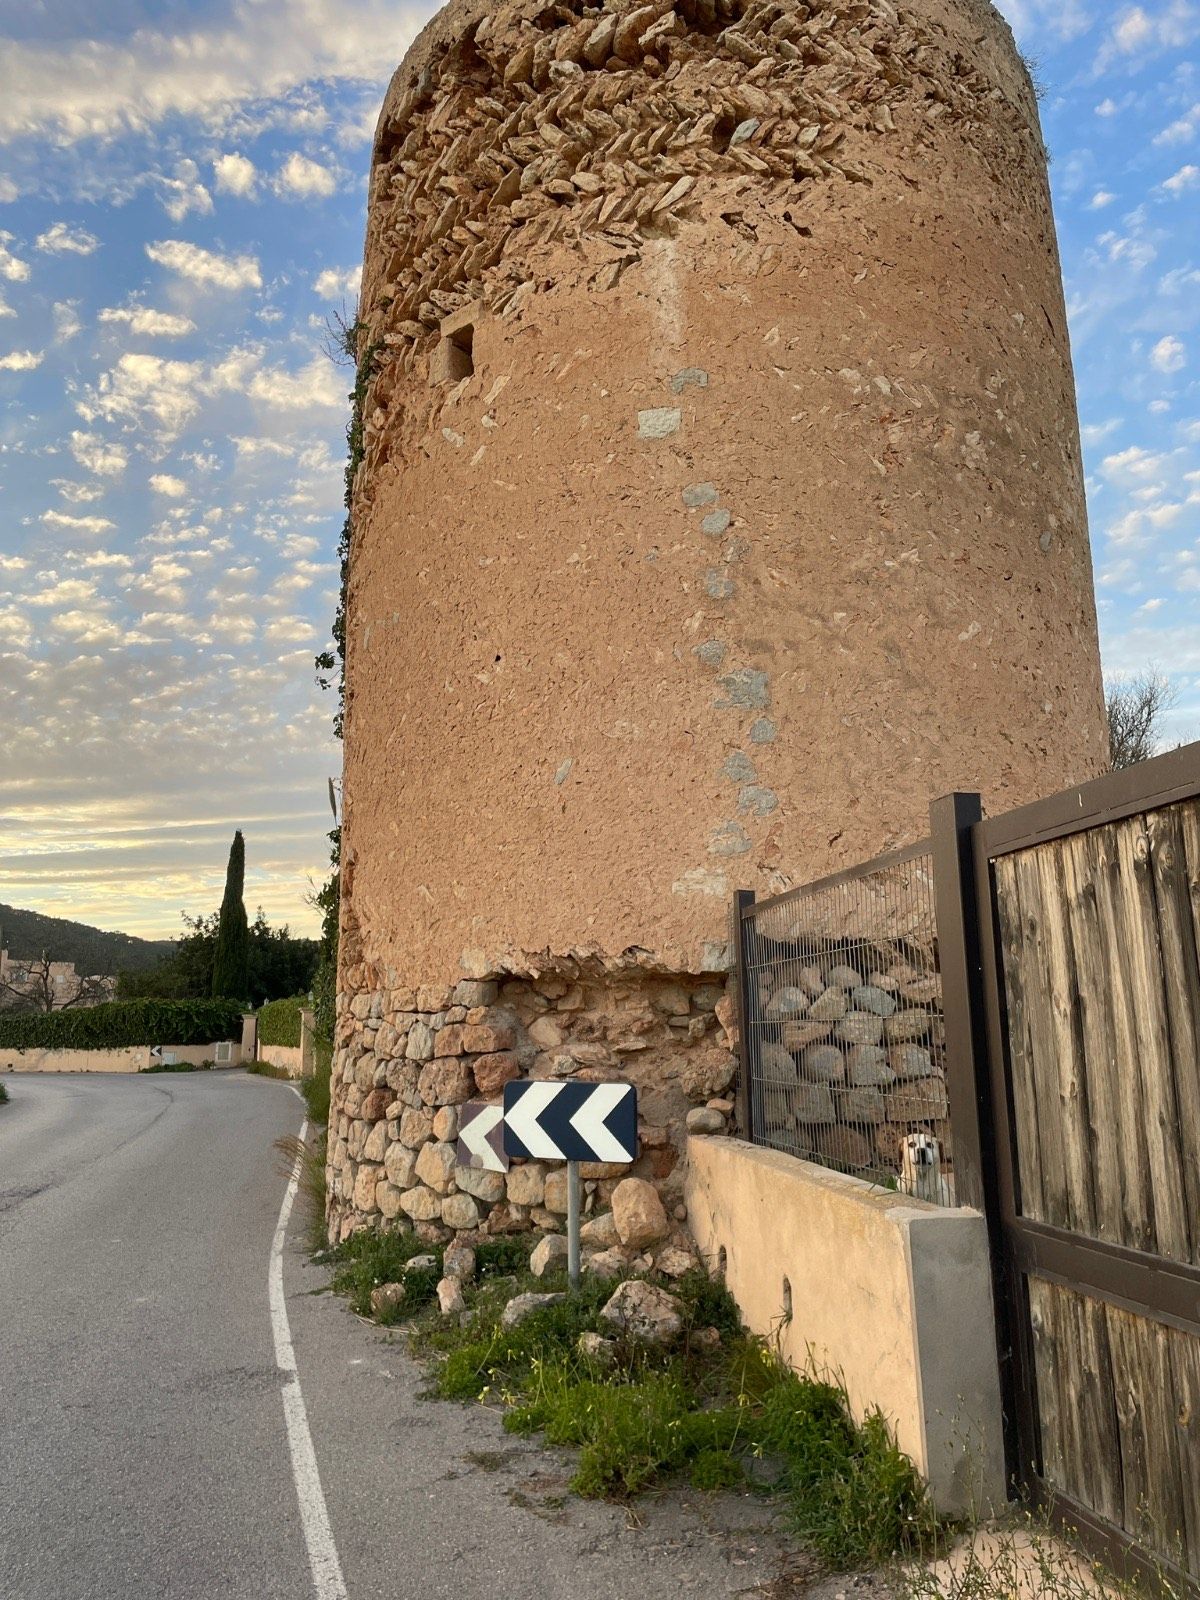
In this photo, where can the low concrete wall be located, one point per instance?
(889, 1294)
(286, 1057)
(129, 1058)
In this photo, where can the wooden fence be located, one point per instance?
(1068, 972)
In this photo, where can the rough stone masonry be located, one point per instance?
(721, 503)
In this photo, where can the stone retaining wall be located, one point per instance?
(407, 1059)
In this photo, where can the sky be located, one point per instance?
(182, 194)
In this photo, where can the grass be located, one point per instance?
(721, 1413)
(311, 1156)
(315, 1088)
(1025, 1559)
(179, 1066)
(264, 1069)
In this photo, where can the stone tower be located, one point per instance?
(720, 504)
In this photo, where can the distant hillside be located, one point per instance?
(28, 934)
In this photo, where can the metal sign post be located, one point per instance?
(573, 1208)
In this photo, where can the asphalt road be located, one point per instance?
(143, 1446)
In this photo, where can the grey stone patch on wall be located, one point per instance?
(758, 800)
(745, 688)
(717, 586)
(702, 880)
(711, 652)
(689, 376)
(699, 494)
(738, 768)
(730, 839)
(564, 770)
(744, 130)
(660, 422)
(762, 731)
(716, 522)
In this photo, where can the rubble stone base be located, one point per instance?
(407, 1059)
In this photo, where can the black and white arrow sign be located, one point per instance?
(480, 1142)
(571, 1121)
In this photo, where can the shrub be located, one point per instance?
(315, 1088)
(123, 1022)
(279, 1022)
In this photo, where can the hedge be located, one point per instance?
(279, 1021)
(123, 1022)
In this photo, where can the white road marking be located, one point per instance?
(328, 1582)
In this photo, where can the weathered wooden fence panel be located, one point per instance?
(1094, 1000)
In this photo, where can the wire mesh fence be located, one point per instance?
(844, 1037)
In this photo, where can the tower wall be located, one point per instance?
(721, 503)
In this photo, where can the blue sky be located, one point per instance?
(182, 189)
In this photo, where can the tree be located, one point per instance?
(1136, 708)
(231, 959)
(280, 965)
(35, 986)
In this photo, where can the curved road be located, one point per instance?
(141, 1428)
(143, 1446)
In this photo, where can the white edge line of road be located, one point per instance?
(328, 1582)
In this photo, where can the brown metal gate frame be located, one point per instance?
(1147, 1285)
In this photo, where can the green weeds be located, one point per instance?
(315, 1088)
(3, 1094)
(718, 1408)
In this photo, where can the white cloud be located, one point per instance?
(205, 266)
(142, 389)
(289, 630)
(78, 494)
(14, 270)
(302, 179)
(61, 239)
(61, 519)
(1169, 355)
(1138, 34)
(335, 282)
(66, 320)
(1182, 129)
(8, 191)
(14, 564)
(14, 628)
(1186, 178)
(184, 193)
(21, 360)
(1107, 108)
(316, 386)
(163, 483)
(86, 627)
(1101, 198)
(5, 309)
(101, 456)
(67, 592)
(145, 320)
(250, 51)
(235, 174)
(105, 558)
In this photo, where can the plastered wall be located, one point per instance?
(758, 518)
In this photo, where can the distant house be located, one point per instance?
(42, 985)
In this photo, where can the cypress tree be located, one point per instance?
(231, 963)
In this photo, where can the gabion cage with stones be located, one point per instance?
(844, 1037)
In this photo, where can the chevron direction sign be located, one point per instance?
(570, 1121)
(480, 1136)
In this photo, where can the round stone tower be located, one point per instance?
(720, 504)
